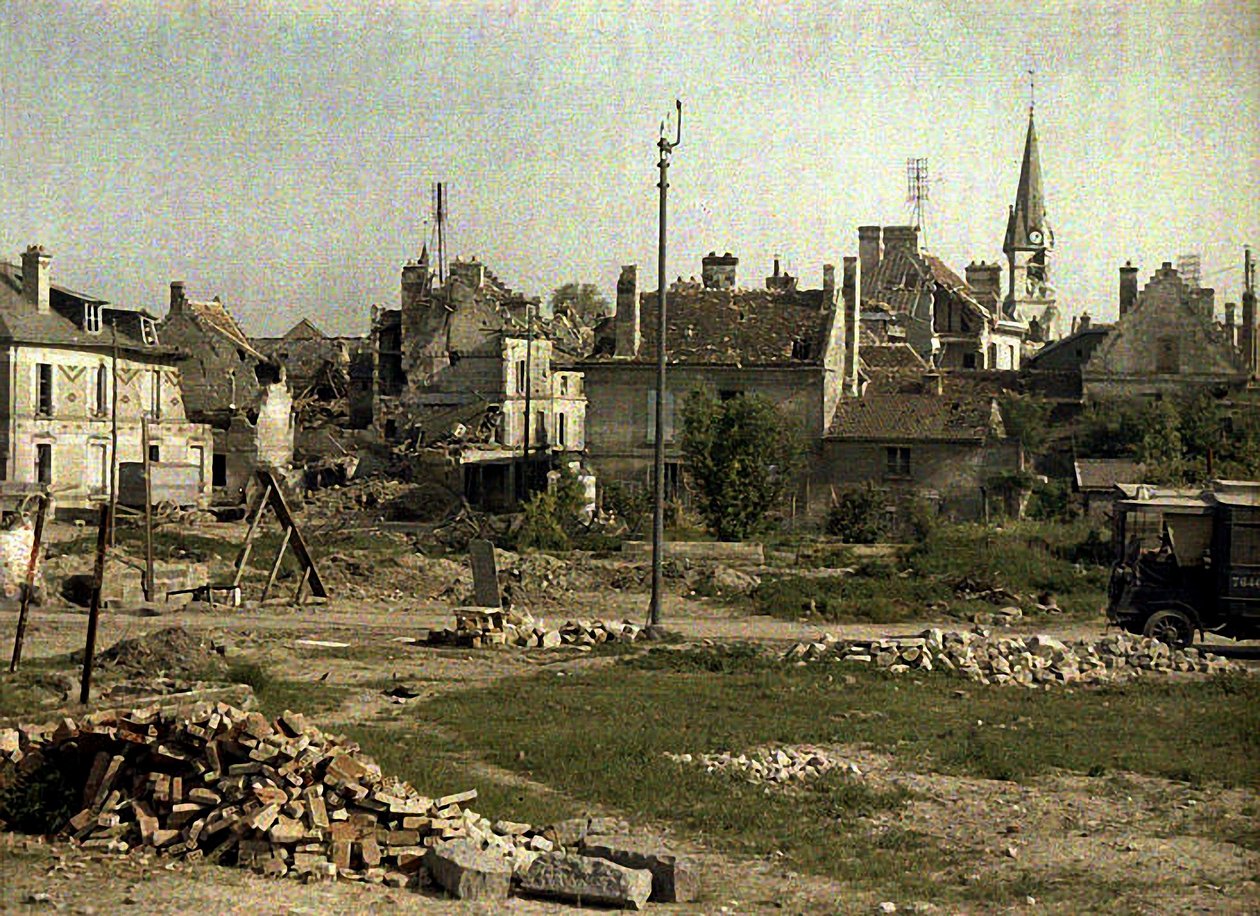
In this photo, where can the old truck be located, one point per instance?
(1187, 562)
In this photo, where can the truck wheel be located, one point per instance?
(1172, 627)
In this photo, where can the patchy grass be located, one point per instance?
(607, 730)
(873, 598)
(19, 698)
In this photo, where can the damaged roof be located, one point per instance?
(1105, 473)
(896, 357)
(740, 327)
(214, 316)
(923, 416)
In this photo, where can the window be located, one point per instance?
(44, 390)
(148, 330)
(92, 317)
(98, 468)
(43, 463)
(520, 376)
(969, 360)
(197, 455)
(993, 362)
(898, 461)
(562, 438)
(155, 454)
(102, 391)
(564, 384)
(155, 395)
(218, 473)
(1168, 355)
(540, 428)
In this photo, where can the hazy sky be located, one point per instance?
(281, 159)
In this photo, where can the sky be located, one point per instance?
(280, 155)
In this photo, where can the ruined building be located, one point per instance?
(1166, 341)
(796, 347)
(330, 377)
(241, 393)
(78, 372)
(468, 371)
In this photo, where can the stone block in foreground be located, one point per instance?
(587, 880)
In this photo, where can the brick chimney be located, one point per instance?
(718, 271)
(985, 278)
(851, 302)
(1128, 287)
(780, 279)
(626, 319)
(905, 238)
(36, 278)
(869, 251)
(178, 299)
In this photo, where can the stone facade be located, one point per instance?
(229, 384)
(62, 371)
(1165, 342)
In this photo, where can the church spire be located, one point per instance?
(1026, 228)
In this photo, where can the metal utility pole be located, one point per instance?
(658, 469)
(529, 392)
(113, 426)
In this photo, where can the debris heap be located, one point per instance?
(777, 765)
(216, 782)
(1026, 661)
(480, 627)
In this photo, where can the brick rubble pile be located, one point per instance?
(478, 628)
(1026, 661)
(775, 765)
(210, 781)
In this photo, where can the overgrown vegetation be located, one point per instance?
(742, 456)
(1026, 419)
(1173, 438)
(856, 515)
(551, 518)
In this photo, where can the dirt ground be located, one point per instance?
(1138, 829)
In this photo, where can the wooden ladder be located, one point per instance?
(271, 495)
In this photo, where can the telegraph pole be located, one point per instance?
(658, 469)
(529, 392)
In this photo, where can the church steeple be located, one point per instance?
(1026, 228)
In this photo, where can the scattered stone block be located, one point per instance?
(586, 880)
(468, 872)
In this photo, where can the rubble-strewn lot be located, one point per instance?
(801, 787)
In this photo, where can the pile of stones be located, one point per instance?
(773, 765)
(482, 627)
(1026, 661)
(215, 782)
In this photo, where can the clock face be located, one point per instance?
(1035, 237)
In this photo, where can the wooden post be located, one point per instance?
(30, 583)
(94, 610)
(148, 510)
(306, 574)
(249, 535)
(275, 567)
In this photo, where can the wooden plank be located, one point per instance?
(485, 573)
(299, 543)
(31, 566)
(94, 610)
(246, 547)
(275, 567)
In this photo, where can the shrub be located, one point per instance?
(856, 515)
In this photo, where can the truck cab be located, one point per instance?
(1187, 562)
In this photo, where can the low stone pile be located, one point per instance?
(480, 627)
(1026, 661)
(216, 782)
(776, 765)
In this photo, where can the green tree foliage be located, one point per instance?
(742, 457)
(1173, 439)
(551, 518)
(1026, 419)
(856, 515)
(580, 300)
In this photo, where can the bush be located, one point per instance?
(551, 517)
(1050, 501)
(856, 515)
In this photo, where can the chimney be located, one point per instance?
(829, 279)
(869, 251)
(472, 272)
(985, 278)
(1249, 336)
(933, 383)
(905, 238)
(1128, 287)
(718, 271)
(626, 318)
(852, 304)
(176, 306)
(1083, 324)
(1231, 323)
(780, 279)
(36, 279)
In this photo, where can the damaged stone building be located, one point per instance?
(469, 374)
(330, 377)
(234, 388)
(796, 347)
(78, 372)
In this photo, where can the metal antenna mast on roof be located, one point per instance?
(917, 189)
(439, 221)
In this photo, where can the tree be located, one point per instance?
(742, 458)
(1026, 419)
(580, 300)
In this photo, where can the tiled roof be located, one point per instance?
(743, 327)
(216, 317)
(1104, 473)
(924, 416)
(891, 357)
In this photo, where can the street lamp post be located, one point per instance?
(658, 514)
